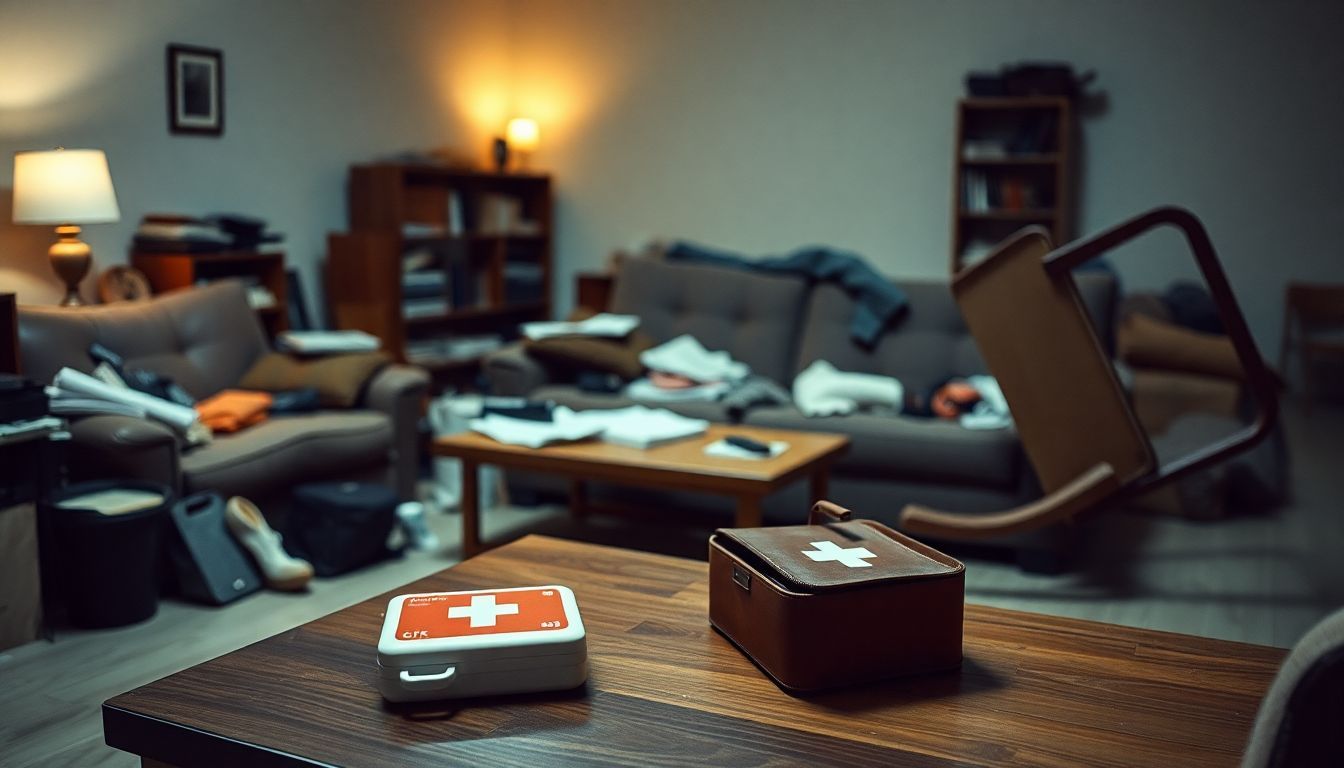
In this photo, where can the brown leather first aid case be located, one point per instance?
(836, 602)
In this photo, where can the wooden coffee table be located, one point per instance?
(667, 689)
(680, 465)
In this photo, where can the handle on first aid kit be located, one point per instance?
(428, 682)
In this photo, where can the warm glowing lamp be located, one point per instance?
(523, 136)
(66, 187)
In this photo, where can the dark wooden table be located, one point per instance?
(680, 465)
(665, 689)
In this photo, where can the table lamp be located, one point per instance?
(523, 136)
(66, 187)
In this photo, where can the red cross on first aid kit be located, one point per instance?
(482, 642)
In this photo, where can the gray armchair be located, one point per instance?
(206, 339)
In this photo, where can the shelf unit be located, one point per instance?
(469, 234)
(171, 271)
(1013, 167)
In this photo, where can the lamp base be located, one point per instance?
(70, 259)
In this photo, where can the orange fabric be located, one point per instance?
(233, 409)
(953, 399)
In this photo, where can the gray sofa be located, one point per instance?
(779, 325)
(206, 339)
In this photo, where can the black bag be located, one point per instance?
(211, 566)
(339, 527)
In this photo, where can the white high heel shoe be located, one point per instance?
(282, 572)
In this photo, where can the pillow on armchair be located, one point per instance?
(338, 379)
(575, 354)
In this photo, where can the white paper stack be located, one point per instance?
(602, 325)
(636, 426)
(641, 427)
(83, 385)
(563, 427)
(328, 342)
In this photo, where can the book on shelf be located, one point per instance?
(982, 193)
(423, 229)
(497, 213)
(424, 284)
(451, 348)
(427, 307)
(983, 149)
(327, 342)
(457, 223)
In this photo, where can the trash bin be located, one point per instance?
(107, 550)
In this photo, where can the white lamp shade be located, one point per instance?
(523, 134)
(63, 186)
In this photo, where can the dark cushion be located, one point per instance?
(1148, 343)
(753, 317)
(268, 456)
(901, 447)
(338, 379)
(575, 354)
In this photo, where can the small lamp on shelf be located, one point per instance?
(65, 187)
(523, 137)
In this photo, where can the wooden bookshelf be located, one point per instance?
(1013, 167)
(468, 234)
(172, 271)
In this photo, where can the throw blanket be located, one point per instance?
(877, 301)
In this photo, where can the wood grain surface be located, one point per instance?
(665, 689)
(682, 464)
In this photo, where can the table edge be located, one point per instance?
(167, 742)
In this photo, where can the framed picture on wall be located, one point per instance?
(195, 90)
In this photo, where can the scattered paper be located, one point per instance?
(604, 324)
(636, 426)
(83, 385)
(114, 501)
(328, 342)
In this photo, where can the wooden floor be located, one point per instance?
(1262, 579)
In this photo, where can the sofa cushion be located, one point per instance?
(926, 346)
(338, 379)
(901, 447)
(203, 338)
(270, 455)
(580, 400)
(931, 343)
(752, 316)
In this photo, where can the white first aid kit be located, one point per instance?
(449, 645)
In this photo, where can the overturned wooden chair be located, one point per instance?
(1072, 413)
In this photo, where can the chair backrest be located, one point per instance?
(1069, 407)
(204, 338)
(1023, 306)
(752, 316)
(1299, 721)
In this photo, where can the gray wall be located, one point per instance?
(751, 124)
(310, 87)
(766, 124)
